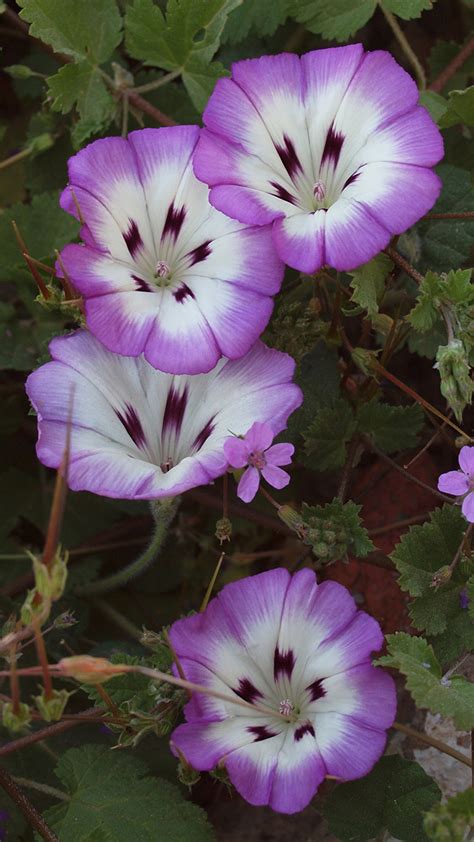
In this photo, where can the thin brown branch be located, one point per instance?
(467, 215)
(398, 524)
(431, 741)
(145, 106)
(453, 67)
(406, 473)
(403, 264)
(50, 731)
(34, 819)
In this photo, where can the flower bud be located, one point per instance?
(454, 370)
(223, 530)
(293, 519)
(42, 142)
(20, 71)
(89, 670)
(32, 608)
(52, 709)
(16, 721)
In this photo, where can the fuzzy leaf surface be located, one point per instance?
(393, 797)
(416, 660)
(111, 795)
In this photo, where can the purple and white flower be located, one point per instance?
(331, 148)
(461, 483)
(255, 453)
(138, 433)
(161, 271)
(303, 650)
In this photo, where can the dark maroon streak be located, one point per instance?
(132, 424)
(289, 158)
(316, 689)
(174, 410)
(132, 238)
(247, 691)
(283, 662)
(174, 221)
(203, 436)
(282, 193)
(333, 146)
(200, 253)
(306, 728)
(261, 732)
(142, 285)
(182, 293)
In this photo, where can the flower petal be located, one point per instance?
(279, 454)
(275, 477)
(466, 460)
(365, 693)
(453, 482)
(236, 452)
(468, 507)
(248, 485)
(259, 436)
(348, 748)
(300, 240)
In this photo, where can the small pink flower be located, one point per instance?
(254, 452)
(461, 483)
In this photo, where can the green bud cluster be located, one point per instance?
(328, 538)
(454, 370)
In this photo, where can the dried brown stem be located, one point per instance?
(50, 731)
(431, 741)
(145, 106)
(403, 264)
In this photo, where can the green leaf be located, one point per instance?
(425, 312)
(428, 549)
(415, 659)
(460, 109)
(318, 376)
(451, 821)
(326, 438)
(260, 16)
(44, 227)
(82, 85)
(447, 245)
(111, 796)
(392, 428)
(442, 54)
(333, 19)
(408, 9)
(82, 30)
(434, 103)
(185, 38)
(368, 283)
(393, 797)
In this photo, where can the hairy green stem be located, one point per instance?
(31, 814)
(164, 512)
(404, 44)
(48, 790)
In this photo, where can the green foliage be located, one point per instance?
(326, 438)
(260, 16)
(408, 9)
(368, 283)
(318, 377)
(112, 795)
(334, 530)
(423, 552)
(393, 796)
(451, 696)
(44, 228)
(391, 428)
(447, 244)
(451, 289)
(88, 33)
(184, 40)
(460, 109)
(333, 19)
(434, 103)
(451, 822)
